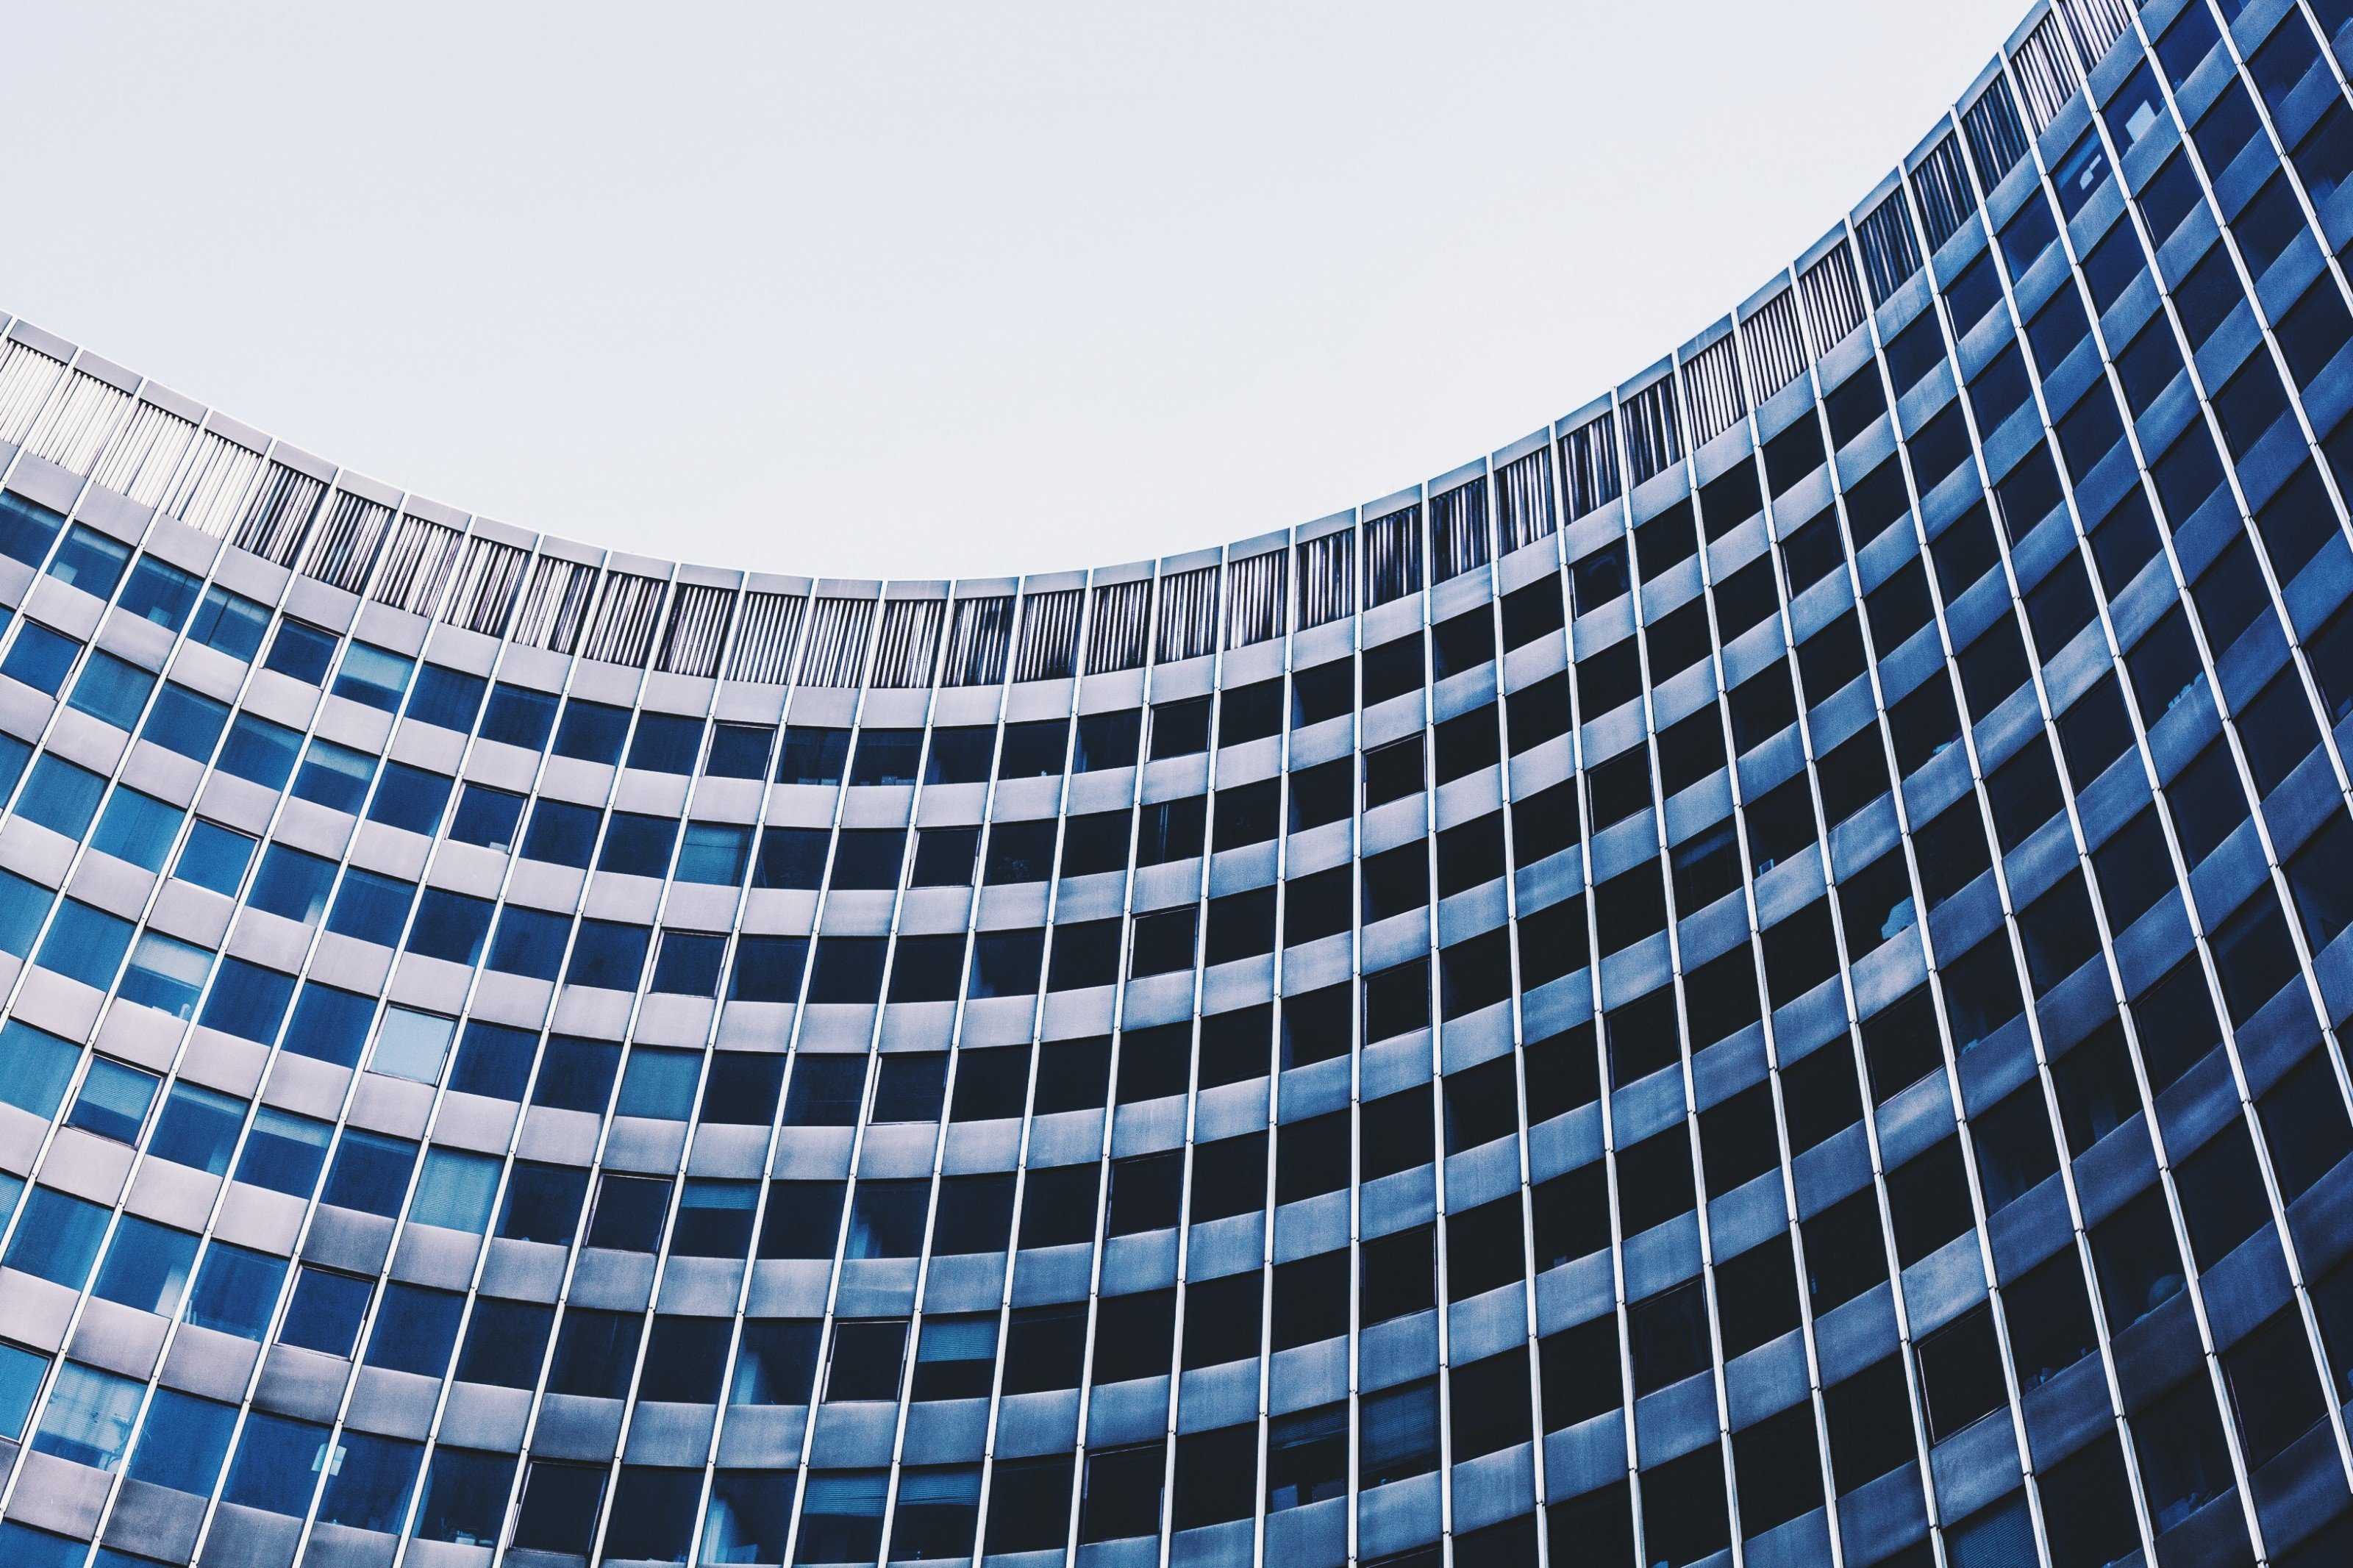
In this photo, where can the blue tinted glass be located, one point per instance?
(182, 1442)
(293, 885)
(530, 942)
(450, 926)
(138, 828)
(259, 752)
(35, 1068)
(370, 1172)
(235, 1289)
(337, 777)
(487, 817)
(369, 1483)
(113, 690)
(14, 755)
(325, 1313)
(22, 906)
(416, 1330)
(277, 1465)
(666, 743)
(115, 1100)
(739, 751)
(410, 798)
(301, 652)
(638, 846)
(57, 1237)
(284, 1152)
(689, 964)
(215, 857)
(561, 834)
(592, 732)
(184, 722)
(371, 907)
(229, 622)
(374, 677)
(494, 1059)
(446, 697)
(198, 1128)
(85, 943)
(166, 974)
(519, 716)
(659, 1083)
(248, 1001)
(608, 955)
(88, 1417)
(577, 1074)
(21, 1375)
(146, 1265)
(26, 528)
(90, 561)
(714, 852)
(39, 658)
(330, 1026)
(60, 796)
(160, 592)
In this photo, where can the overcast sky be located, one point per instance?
(931, 290)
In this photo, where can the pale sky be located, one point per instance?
(931, 290)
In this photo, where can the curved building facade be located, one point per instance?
(1751, 979)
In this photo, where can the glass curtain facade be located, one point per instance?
(1755, 978)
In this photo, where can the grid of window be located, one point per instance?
(1791, 1003)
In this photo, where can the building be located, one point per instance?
(1339, 1048)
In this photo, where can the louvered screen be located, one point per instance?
(1187, 625)
(1776, 349)
(1115, 632)
(836, 648)
(2095, 25)
(1711, 382)
(2046, 73)
(140, 461)
(1997, 141)
(416, 566)
(72, 430)
(697, 630)
(1588, 459)
(487, 575)
(1524, 499)
(621, 628)
(1457, 532)
(1254, 596)
(977, 642)
(1944, 193)
(1833, 300)
(344, 546)
(1889, 256)
(1050, 635)
(26, 376)
(1328, 578)
(207, 493)
(1393, 556)
(555, 600)
(1654, 441)
(278, 519)
(765, 637)
(907, 644)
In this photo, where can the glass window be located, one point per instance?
(868, 1356)
(229, 622)
(2081, 173)
(40, 658)
(22, 906)
(768, 969)
(446, 697)
(887, 757)
(638, 845)
(88, 1417)
(494, 1059)
(215, 857)
(57, 1237)
(715, 853)
(370, 907)
(415, 1330)
(301, 652)
(259, 752)
(197, 1129)
(35, 1068)
(628, 1213)
(248, 1001)
(561, 834)
(325, 1312)
(661, 1083)
(689, 964)
(138, 828)
(374, 677)
(449, 927)
(21, 1375)
(292, 884)
(774, 1361)
(455, 1190)
(111, 690)
(85, 944)
(334, 776)
(955, 1357)
(166, 974)
(487, 817)
(90, 561)
(577, 1074)
(368, 1482)
(14, 755)
(607, 954)
(182, 1442)
(411, 798)
(465, 1497)
(62, 796)
(519, 716)
(284, 1152)
(160, 592)
(115, 1100)
(666, 743)
(740, 751)
(591, 732)
(329, 1024)
(812, 755)
(186, 723)
(277, 1466)
(26, 528)
(413, 1045)
(714, 1219)
(370, 1172)
(235, 1289)
(146, 1265)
